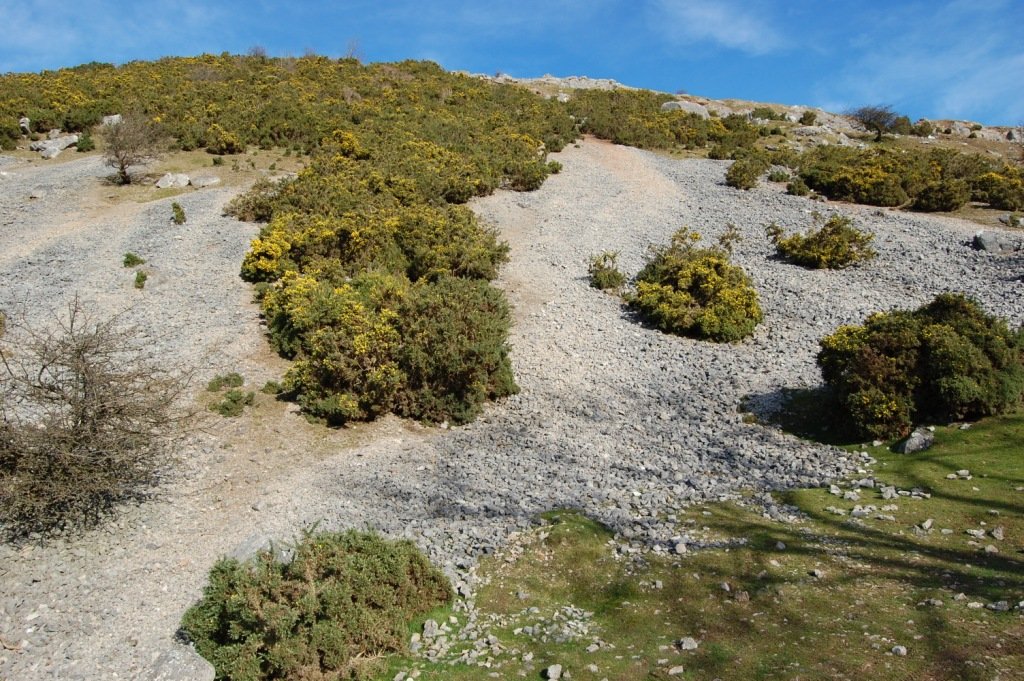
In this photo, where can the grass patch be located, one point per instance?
(832, 604)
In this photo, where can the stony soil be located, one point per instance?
(618, 420)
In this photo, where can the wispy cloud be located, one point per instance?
(956, 60)
(728, 24)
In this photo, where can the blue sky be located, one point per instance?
(937, 59)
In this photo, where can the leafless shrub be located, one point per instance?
(132, 141)
(87, 421)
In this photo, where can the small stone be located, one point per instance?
(522, 595)
(997, 533)
(991, 549)
(724, 586)
(781, 546)
(889, 492)
(687, 643)
(592, 668)
(817, 574)
(742, 597)
(934, 602)
(676, 671)
(680, 548)
(951, 476)
(976, 533)
(900, 651)
(400, 676)
(927, 524)
(593, 648)
(964, 473)
(999, 606)
(852, 495)
(553, 672)
(430, 629)
(975, 605)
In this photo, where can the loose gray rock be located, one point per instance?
(51, 147)
(553, 672)
(687, 643)
(430, 629)
(900, 651)
(181, 663)
(113, 119)
(920, 440)
(256, 543)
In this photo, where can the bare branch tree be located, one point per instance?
(132, 141)
(87, 420)
(879, 118)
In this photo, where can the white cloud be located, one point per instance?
(728, 24)
(956, 60)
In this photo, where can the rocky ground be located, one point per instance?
(615, 419)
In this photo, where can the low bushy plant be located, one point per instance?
(85, 142)
(342, 602)
(744, 173)
(778, 175)
(233, 402)
(833, 244)
(946, 361)
(603, 272)
(944, 196)
(222, 381)
(808, 117)
(696, 292)
(177, 213)
(132, 260)
(140, 279)
(797, 187)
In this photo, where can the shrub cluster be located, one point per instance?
(342, 602)
(945, 361)
(834, 244)
(933, 180)
(744, 173)
(696, 292)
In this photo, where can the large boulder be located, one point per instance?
(172, 180)
(688, 107)
(920, 440)
(201, 181)
(994, 242)
(52, 146)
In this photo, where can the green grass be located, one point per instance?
(875, 577)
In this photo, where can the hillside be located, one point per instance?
(627, 425)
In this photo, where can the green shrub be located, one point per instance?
(944, 195)
(85, 142)
(234, 402)
(945, 361)
(140, 279)
(341, 603)
(696, 292)
(923, 128)
(778, 176)
(132, 260)
(808, 117)
(744, 173)
(455, 356)
(604, 274)
(767, 114)
(221, 381)
(833, 245)
(272, 388)
(797, 187)
(221, 142)
(177, 213)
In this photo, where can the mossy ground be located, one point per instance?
(778, 620)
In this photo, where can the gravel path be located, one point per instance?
(618, 420)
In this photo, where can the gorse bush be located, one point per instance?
(177, 213)
(87, 421)
(696, 292)
(132, 260)
(744, 173)
(603, 272)
(945, 361)
(341, 603)
(834, 244)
